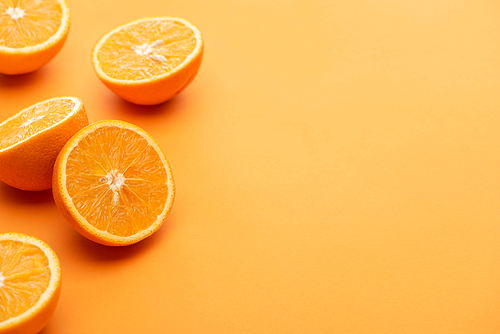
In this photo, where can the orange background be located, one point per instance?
(337, 171)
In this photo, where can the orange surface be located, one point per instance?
(113, 184)
(32, 32)
(31, 283)
(336, 165)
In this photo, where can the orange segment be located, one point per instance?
(150, 60)
(113, 183)
(24, 276)
(31, 140)
(28, 22)
(32, 32)
(30, 279)
(114, 176)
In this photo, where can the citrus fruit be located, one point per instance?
(150, 60)
(32, 32)
(30, 283)
(113, 183)
(31, 140)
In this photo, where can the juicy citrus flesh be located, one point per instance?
(34, 120)
(117, 181)
(25, 23)
(146, 49)
(24, 277)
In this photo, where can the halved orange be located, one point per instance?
(32, 32)
(113, 183)
(150, 60)
(30, 283)
(31, 140)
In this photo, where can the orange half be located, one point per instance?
(31, 140)
(113, 183)
(150, 60)
(32, 32)
(30, 283)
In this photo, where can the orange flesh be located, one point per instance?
(33, 120)
(117, 181)
(24, 276)
(40, 20)
(120, 56)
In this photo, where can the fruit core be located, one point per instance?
(147, 49)
(32, 120)
(15, 13)
(115, 180)
(1, 280)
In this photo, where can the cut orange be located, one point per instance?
(30, 283)
(31, 140)
(150, 60)
(32, 32)
(113, 183)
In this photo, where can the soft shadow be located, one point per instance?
(27, 197)
(22, 80)
(133, 110)
(48, 328)
(100, 253)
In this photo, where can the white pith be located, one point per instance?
(2, 278)
(15, 13)
(32, 120)
(147, 49)
(115, 180)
